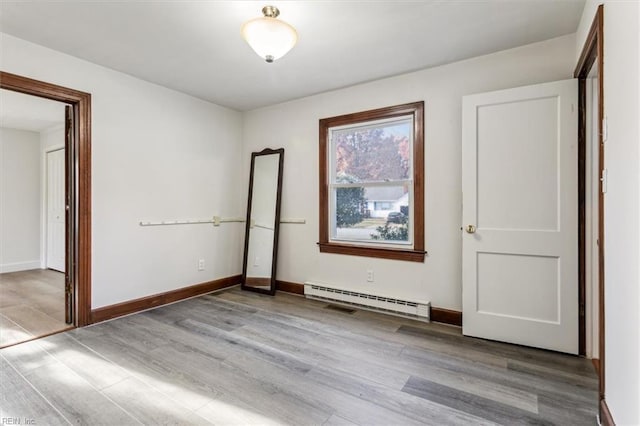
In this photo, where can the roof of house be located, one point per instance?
(384, 193)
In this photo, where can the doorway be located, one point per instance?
(32, 190)
(589, 72)
(77, 196)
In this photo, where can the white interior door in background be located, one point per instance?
(520, 216)
(55, 210)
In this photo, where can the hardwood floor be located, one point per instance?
(31, 305)
(243, 358)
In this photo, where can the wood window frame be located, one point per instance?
(80, 200)
(415, 254)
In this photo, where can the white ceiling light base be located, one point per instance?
(268, 36)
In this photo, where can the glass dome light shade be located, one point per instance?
(270, 38)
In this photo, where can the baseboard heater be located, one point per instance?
(419, 310)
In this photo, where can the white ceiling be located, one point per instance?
(195, 46)
(25, 112)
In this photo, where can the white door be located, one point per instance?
(520, 216)
(56, 210)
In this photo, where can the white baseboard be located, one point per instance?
(19, 266)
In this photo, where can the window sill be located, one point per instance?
(409, 255)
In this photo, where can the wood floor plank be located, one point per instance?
(149, 406)
(328, 326)
(497, 392)
(566, 411)
(8, 296)
(34, 300)
(502, 376)
(470, 403)
(29, 355)
(75, 398)
(11, 332)
(31, 319)
(569, 363)
(88, 364)
(418, 409)
(338, 421)
(305, 390)
(569, 377)
(264, 352)
(326, 355)
(19, 400)
(246, 385)
(236, 357)
(226, 410)
(168, 379)
(420, 341)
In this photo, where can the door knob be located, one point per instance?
(471, 229)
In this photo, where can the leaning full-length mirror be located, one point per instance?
(263, 221)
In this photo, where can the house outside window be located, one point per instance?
(379, 205)
(371, 183)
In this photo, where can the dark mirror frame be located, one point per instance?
(276, 225)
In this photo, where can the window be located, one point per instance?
(371, 183)
(382, 205)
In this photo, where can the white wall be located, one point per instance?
(622, 204)
(439, 278)
(156, 154)
(19, 200)
(53, 137)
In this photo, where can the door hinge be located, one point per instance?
(603, 181)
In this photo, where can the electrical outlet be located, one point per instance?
(369, 275)
(256, 261)
(201, 265)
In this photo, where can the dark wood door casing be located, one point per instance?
(593, 53)
(80, 228)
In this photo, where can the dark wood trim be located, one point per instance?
(290, 287)
(417, 254)
(606, 419)
(601, 232)
(442, 315)
(383, 253)
(153, 301)
(596, 365)
(589, 49)
(593, 52)
(582, 223)
(446, 316)
(80, 276)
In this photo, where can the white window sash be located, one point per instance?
(372, 243)
(369, 124)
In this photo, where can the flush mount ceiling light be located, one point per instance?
(268, 36)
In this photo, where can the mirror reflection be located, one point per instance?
(263, 220)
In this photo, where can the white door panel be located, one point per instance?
(532, 153)
(56, 210)
(519, 176)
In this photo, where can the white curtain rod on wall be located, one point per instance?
(216, 221)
